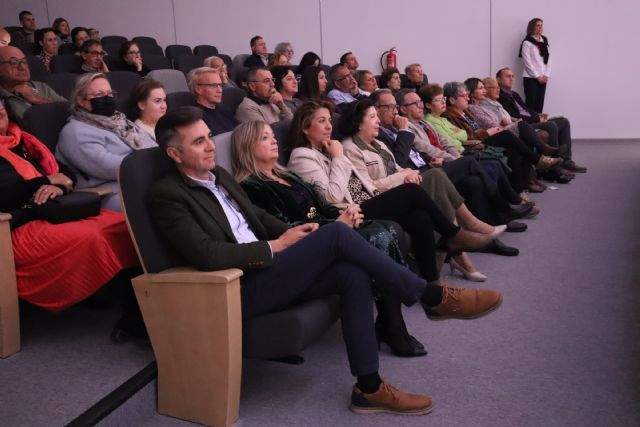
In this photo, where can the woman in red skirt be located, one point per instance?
(57, 265)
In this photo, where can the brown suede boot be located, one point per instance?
(389, 399)
(462, 303)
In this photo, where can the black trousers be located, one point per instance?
(534, 92)
(411, 207)
(520, 157)
(559, 130)
(334, 260)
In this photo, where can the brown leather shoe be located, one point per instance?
(545, 162)
(533, 212)
(389, 399)
(467, 241)
(573, 167)
(550, 150)
(462, 303)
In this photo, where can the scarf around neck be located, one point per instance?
(33, 148)
(387, 159)
(542, 46)
(128, 132)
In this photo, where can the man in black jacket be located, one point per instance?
(559, 128)
(259, 56)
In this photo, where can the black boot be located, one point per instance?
(391, 329)
(131, 324)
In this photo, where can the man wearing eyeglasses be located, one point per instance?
(16, 87)
(263, 102)
(346, 88)
(206, 86)
(92, 54)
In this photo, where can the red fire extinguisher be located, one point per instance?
(392, 58)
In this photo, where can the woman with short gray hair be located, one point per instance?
(97, 137)
(286, 49)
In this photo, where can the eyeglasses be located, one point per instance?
(418, 104)
(342, 78)
(96, 53)
(14, 62)
(100, 94)
(442, 100)
(213, 85)
(392, 107)
(462, 95)
(265, 81)
(133, 52)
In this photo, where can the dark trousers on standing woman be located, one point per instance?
(534, 93)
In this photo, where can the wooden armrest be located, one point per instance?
(101, 191)
(191, 275)
(9, 310)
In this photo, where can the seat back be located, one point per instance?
(205, 50)
(156, 62)
(68, 63)
(227, 59)
(281, 132)
(179, 99)
(62, 83)
(144, 41)
(27, 48)
(231, 98)
(36, 68)
(174, 50)
(67, 49)
(173, 80)
(238, 60)
(123, 82)
(187, 62)
(45, 122)
(150, 49)
(223, 150)
(117, 40)
(138, 172)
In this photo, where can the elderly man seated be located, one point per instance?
(346, 89)
(414, 77)
(217, 63)
(259, 56)
(263, 101)
(92, 54)
(366, 82)
(206, 85)
(559, 128)
(16, 87)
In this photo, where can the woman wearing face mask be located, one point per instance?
(97, 137)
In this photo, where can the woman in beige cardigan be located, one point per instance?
(321, 162)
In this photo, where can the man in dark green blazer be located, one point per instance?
(209, 222)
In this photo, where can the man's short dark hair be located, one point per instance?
(86, 46)
(499, 73)
(24, 13)
(375, 96)
(343, 58)
(400, 95)
(166, 131)
(254, 40)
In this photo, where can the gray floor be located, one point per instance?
(563, 350)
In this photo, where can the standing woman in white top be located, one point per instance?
(534, 52)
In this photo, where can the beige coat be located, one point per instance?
(371, 166)
(249, 111)
(330, 177)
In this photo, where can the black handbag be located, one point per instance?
(69, 207)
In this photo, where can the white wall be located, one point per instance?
(594, 44)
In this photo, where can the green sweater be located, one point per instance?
(444, 127)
